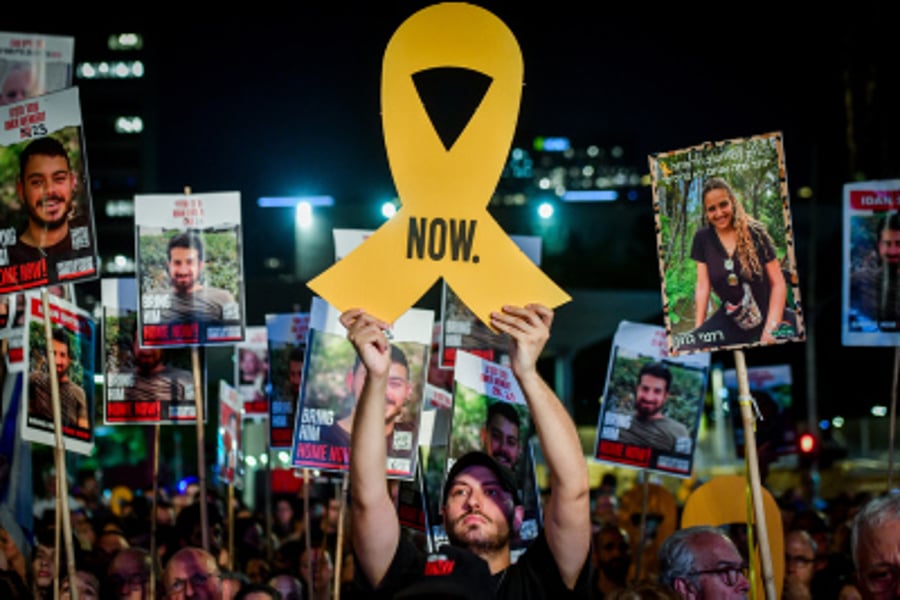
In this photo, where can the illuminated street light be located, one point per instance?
(545, 210)
(388, 209)
(304, 214)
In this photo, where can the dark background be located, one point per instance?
(277, 103)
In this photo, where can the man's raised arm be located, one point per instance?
(567, 518)
(375, 526)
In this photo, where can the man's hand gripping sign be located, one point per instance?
(443, 228)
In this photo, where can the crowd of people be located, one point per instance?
(354, 546)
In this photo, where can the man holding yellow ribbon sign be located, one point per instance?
(481, 505)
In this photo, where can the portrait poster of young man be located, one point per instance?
(47, 233)
(190, 268)
(33, 64)
(490, 414)
(870, 307)
(725, 245)
(651, 405)
(333, 380)
(141, 385)
(72, 348)
(286, 338)
(251, 371)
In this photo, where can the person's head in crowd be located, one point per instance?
(185, 260)
(258, 591)
(232, 583)
(652, 390)
(874, 543)
(609, 484)
(815, 524)
(43, 567)
(189, 526)
(258, 569)
(18, 84)
(319, 580)
(165, 512)
(288, 520)
(15, 549)
(84, 527)
(87, 584)
(46, 187)
(799, 559)
(399, 388)
(295, 369)
(501, 434)
(192, 572)
(249, 540)
(331, 516)
(482, 509)
(702, 563)
(643, 590)
(288, 586)
(128, 575)
(611, 557)
(606, 509)
(109, 543)
(88, 488)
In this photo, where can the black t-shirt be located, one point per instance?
(708, 249)
(533, 576)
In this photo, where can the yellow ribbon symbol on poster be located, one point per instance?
(443, 228)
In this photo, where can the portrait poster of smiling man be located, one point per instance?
(332, 383)
(47, 232)
(650, 411)
(726, 248)
(190, 269)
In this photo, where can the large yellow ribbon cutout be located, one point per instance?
(443, 228)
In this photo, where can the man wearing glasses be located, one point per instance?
(192, 573)
(702, 563)
(799, 562)
(129, 574)
(875, 543)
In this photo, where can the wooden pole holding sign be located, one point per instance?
(745, 400)
(339, 545)
(201, 455)
(893, 425)
(307, 522)
(62, 485)
(153, 509)
(642, 537)
(231, 525)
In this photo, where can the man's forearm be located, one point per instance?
(369, 451)
(567, 521)
(560, 444)
(376, 527)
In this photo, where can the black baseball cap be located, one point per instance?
(504, 474)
